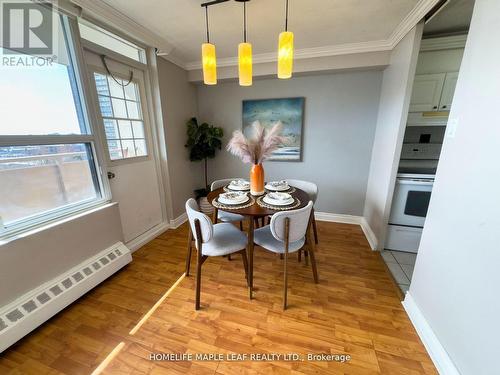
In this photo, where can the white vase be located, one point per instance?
(205, 206)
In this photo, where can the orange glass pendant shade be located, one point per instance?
(285, 55)
(245, 64)
(209, 63)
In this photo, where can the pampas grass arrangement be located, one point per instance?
(259, 146)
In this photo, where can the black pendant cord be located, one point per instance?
(286, 16)
(206, 21)
(245, 22)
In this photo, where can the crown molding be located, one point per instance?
(415, 16)
(446, 42)
(109, 16)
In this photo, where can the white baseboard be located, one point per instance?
(437, 352)
(144, 238)
(369, 234)
(350, 219)
(177, 222)
(337, 218)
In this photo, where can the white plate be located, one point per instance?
(233, 198)
(276, 186)
(278, 199)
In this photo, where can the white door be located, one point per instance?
(450, 83)
(426, 93)
(127, 139)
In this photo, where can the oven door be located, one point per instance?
(411, 201)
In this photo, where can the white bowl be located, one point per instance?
(233, 198)
(239, 185)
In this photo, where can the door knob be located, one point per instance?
(111, 175)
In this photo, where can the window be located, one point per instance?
(111, 41)
(47, 154)
(121, 113)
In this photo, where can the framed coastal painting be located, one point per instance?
(290, 111)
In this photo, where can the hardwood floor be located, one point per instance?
(354, 310)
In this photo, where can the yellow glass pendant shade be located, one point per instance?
(209, 63)
(245, 64)
(285, 55)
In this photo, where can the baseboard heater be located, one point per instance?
(37, 306)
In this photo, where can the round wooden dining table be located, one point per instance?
(251, 213)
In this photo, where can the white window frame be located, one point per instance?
(92, 138)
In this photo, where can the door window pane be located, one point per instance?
(115, 149)
(125, 129)
(140, 147)
(119, 108)
(128, 148)
(116, 88)
(37, 179)
(133, 110)
(138, 129)
(125, 138)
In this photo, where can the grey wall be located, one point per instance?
(29, 261)
(178, 103)
(392, 114)
(339, 125)
(456, 278)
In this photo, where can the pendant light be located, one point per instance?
(208, 58)
(245, 53)
(285, 51)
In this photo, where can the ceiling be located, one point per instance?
(454, 18)
(316, 23)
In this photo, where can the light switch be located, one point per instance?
(451, 128)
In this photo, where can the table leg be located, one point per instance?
(250, 255)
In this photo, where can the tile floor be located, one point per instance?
(401, 265)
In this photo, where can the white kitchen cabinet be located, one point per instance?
(449, 86)
(433, 92)
(427, 89)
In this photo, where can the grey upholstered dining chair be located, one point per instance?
(211, 240)
(287, 234)
(226, 217)
(312, 190)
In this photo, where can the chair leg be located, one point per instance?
(315, 230)
(306, 257)
(313, 264)
(241, 225)
(285, 276)
(190, 247)
(285, 282)
(229, 257)
(281, 256)
(198, 281)
(245, 264)
(299, 255)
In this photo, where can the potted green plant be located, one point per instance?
(203, 142)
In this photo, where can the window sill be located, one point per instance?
(13, 234)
